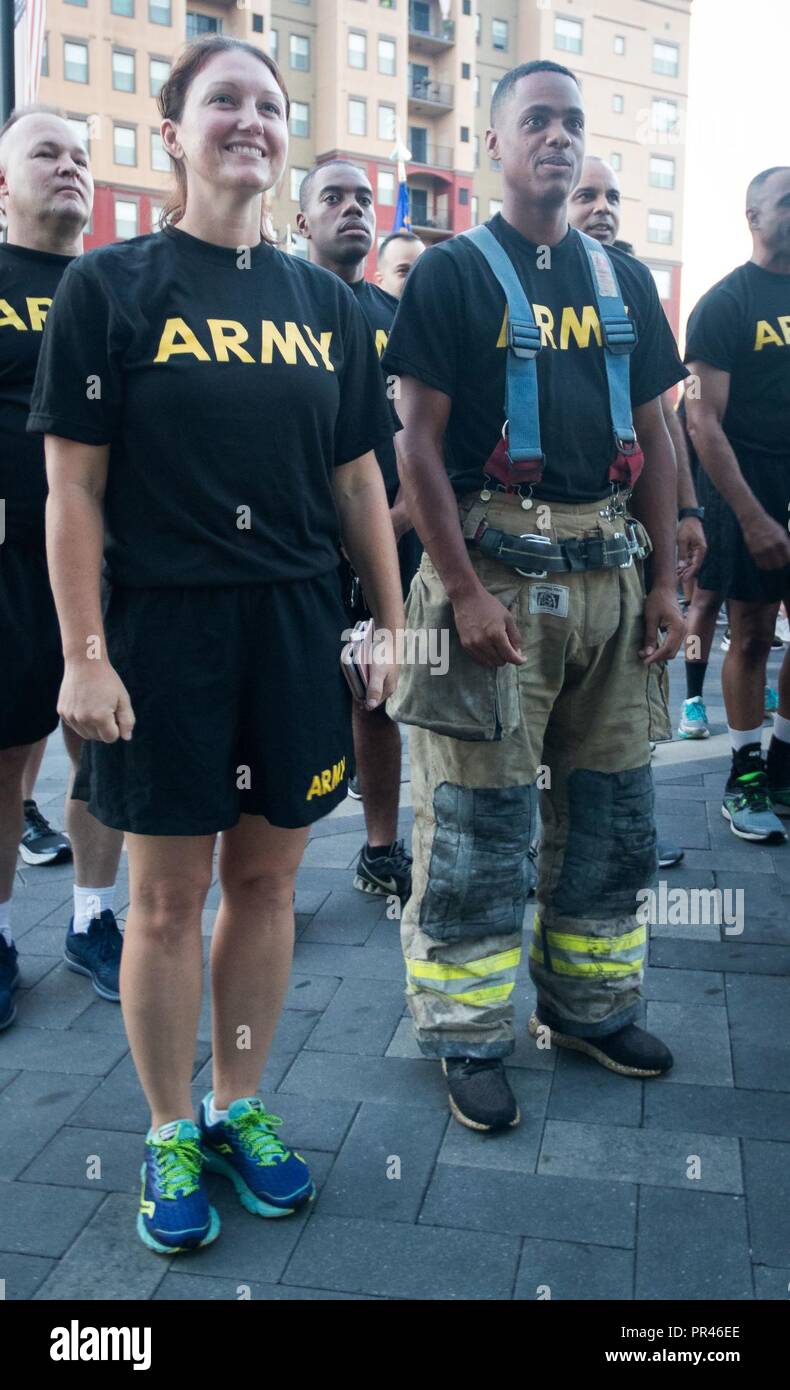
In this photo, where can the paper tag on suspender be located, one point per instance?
(604, 278)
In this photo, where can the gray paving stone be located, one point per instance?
(276, 1068)
(32, 1110)
(400, 1261)
(38, 1049)
(697, 1036)
(311, 992)
(308, 901)
(316, 1124)
(572, 1209)
(573, 1271)
(6, 1077)
(386, 936)
(45, 938)
(22, 1274)
(763, 896)
(350, 962)
(771, 1283)
(191, 1288)
(333, 851)
(338, 825)
(759, 1009)
(687, 827)
(42, 1220)
(692, 1245)
(384, 1165)
(581, 1090)
(514, 1149)
(683, 986)
(733, 955)
(361, 1018)
(34, 968)
(719, 1110)
(102, 1016)
(57, 1000)
(118, 1101)
(640, 1155)
(767, 1168)
(345, 919)
(108, 1260)
(67, 1159)
(391, 1080)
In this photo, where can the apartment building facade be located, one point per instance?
(364, 75)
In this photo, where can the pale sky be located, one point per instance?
(738, 123)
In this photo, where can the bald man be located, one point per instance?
(46, 191)
(397, 254)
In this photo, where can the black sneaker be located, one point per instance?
(631, 1051)
(669, 855)
(479, 1092)
(353, 789)
(97, 953)
(9, 979)
(40, 844)
(385, 873)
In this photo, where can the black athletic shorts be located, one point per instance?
(409, 557)
(728, 567)
(32, 661)
(240, 704)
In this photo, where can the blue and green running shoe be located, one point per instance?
(694, 719)
(747, 805)
(270, 1180)
(175, 1214)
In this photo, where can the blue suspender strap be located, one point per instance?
(523, 341)
(618, 333)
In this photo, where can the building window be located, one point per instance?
(477, 26)
(299, 246)
(463, 196)
(160, 159)
(122, 7)
(618, 103)
(45, 56)
(568, 35)
(158, 73)
(297, 179)
(619, 44)
(499, 35)
(477, 89)
(386, 122)
(299, 51)
(300, 118)
(662, 172)
(79, 126)
(666, 58)
(126, 214)
(464, 134)
(466, 71)
(616, 161)
(75, 62)
(257, 24)
(467, 7)
(474, 209)
(663, 114)
(476, 147)
(160, 11)
(387, 53)
(122, 71)
(663, 278)
(198, 24)
(274, 44)
(385, 188)
(156, 213)
(83, 3)
(124, 144)
(357, 49)
(659, 227)
(494, 206)
(357, 116)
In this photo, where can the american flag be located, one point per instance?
(29, 25)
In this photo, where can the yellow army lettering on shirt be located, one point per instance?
(765, 333)
(292, 342)
(581, 330)
(37, 306)
(328, 780)
(382, 338)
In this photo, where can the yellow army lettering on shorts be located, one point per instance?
(327, 780)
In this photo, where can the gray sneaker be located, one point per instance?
(747, 807)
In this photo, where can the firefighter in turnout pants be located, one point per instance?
(525, 385)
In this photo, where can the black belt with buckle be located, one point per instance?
(536, 556)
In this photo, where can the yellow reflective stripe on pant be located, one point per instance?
(572, 953)
(493, 977)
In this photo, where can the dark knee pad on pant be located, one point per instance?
(611, 846)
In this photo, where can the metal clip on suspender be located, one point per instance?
(618, 334)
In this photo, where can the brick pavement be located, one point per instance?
(590, 1196)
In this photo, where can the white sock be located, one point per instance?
(781, 731)
(90, 903)
(5, 923)
(740, 737)
(212, 1114)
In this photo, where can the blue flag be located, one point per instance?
(402, 222)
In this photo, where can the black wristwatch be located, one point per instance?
(698, 512)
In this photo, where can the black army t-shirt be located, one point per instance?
(28, 280)
(450, 332)
(379, 310)
(228, 384)
(742, 326)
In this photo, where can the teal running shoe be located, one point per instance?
(270, 1180)
(747, 805)
(694, 719)
(175, 1214)
(771, 702)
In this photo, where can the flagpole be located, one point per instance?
(6, 59)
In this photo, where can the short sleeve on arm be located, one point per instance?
(425, 338)
(712, 332)
(77, 391)
(655, 362)
(364, 420)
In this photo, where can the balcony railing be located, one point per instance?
(438, 156)
(432, 93)
(436, 32)
(437, 221)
